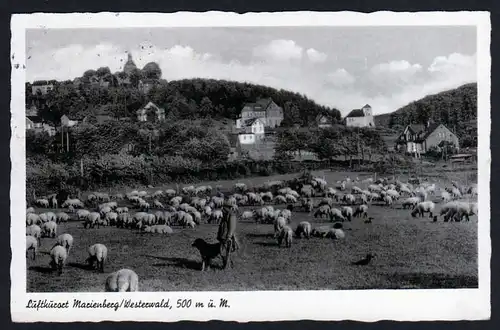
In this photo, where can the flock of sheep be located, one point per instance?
(192, 206)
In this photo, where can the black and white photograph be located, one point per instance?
(190, 161)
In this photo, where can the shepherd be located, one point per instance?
(226, 234)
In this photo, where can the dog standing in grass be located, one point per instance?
(226, 235)
(208, 251)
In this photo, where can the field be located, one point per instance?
(411, 253)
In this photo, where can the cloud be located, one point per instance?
(279, 50)
(396, 67)
(386, 86)
(341, 77)
(316, 56)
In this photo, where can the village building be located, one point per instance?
(360, 117)
(418, 139)
(150, 112)
(265, 109)
(252, 131)
(35, 123)
(129, 66)
(323, 121)
(66, 122)
(41, 87)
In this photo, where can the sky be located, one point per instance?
(340, 67)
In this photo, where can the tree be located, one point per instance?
(151, 71)
(206, 107)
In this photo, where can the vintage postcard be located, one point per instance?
(250, 167)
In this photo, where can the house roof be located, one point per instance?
(355, 113)
(35, 119)
(264, 103)
(432, 127)
(250, 122)
(367, 106)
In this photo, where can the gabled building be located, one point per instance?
(252, 131)
(35, 123)
(418, 139)
(323, 121)
(265, 109)
(41, 87)
(150, 112)
(360, 117)
(66, 122)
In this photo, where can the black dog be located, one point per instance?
(207, 251)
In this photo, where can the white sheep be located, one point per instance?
(92, 219)
(97, 253)
(422, 208)
(336, 214)
(42, 202)
(31, 244)
(361, 211)
(158, 204)
(458, 210)
(159, 229)
(247, 215)
(49, 229)
(35, 231)
(30, 210)
(66, 241)
(347, 212)
(303, 228)
(411, 202)
(124, 280)
(111, 218)
(279, 223)
(388, 200)
(82, 214)
(32, 219)
(285, 235)
(335, 233)
(62, 217)
(349, 199)
(58, 256)
(322, 210)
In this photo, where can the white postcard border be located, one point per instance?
(361, 305)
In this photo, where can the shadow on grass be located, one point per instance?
(434, 281)
(252, 235)
(80, 266)
(178, 262)
(41, 269)
(267, 243)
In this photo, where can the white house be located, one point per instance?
(253, 131)
(360, 117)
(269, 112)
(66, 122)
(150, 109)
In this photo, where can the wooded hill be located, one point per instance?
(456, 109)
(189, 99)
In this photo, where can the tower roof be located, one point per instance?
(130, 65)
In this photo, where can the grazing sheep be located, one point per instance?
(33, 219)
(30, 210)
(349, 199)
(124, 280)
(423, 207)
(336, 214)
(111, 218)
(458, 210)
(42, 202)
(82, 214)
(216, 216)
(321, 211)
(411, 202)
(49, 229)
(66, 241)
(92, 219)
(347, 212)
(279, 223)
(62, 217)
(279, 200)
(31, 244)
(97, 253)
(35, 231)
(159, 229)
(335, 233)
(247, 215)
(285, 235)
(388, 200)
(158, 204)
(361, 211)
(303, 228)
(58, 256)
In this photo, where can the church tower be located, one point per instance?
(367, 110)
(130, 65)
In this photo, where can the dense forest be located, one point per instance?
(456, 109)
